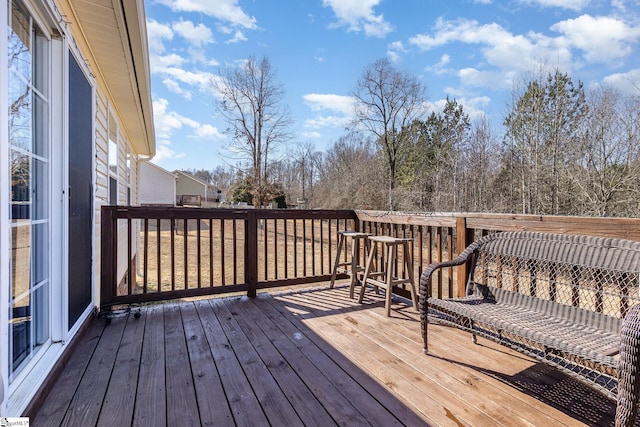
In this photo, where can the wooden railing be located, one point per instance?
(164, 253)
(441, 236)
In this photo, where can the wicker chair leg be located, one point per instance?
(425, 346)
(629, 369)
(474, 338)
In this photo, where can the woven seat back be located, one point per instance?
(584, 274)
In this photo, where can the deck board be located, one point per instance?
(53, 411)
(309, 409)
(212, 403)
(304, 357)
(352, 380)
(85, 406)
(150, 407)
(244, 404)
(117, 408)
(274, 403)
(182, 405)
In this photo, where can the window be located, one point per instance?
(113, 160)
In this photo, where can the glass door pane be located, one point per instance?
(29, 140)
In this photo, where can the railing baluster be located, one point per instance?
(304, 247)
(322, 270)
(295, 247)
(173, 254)
(286, 248)
(199, 252)
(185, 235)
(211, 269)
(313, 247)
(450, 257)
(275, 249)
(223, 273)
(235, 249)
(159, 253)
(145, 275)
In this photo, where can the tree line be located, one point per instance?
(561, 149)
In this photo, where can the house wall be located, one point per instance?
(127, 180)
(190, 187)
(157, 186)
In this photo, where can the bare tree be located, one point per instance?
(349, 177)
(387, 101)
(606, 178)
(252, 104)
(480, 158)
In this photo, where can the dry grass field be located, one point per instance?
(212, 253)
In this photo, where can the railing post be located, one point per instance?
(464, 237)
(251, 253)
(107, 256)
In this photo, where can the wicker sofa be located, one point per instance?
(558, 298)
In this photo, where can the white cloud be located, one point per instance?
(563, 4)
(163, 152)
(238, 36)
(200, 79)
(157, 33)
(331, 102)
(602, 39)
(174, 87)
(333, 111)
(208, 132)
(500, 48)
(358, 15)
(394, 50)
(440, 67)
(627, 83)
(330, 121)
(167, 122)
(224, 10)
(502, 79)
(311, 135)
(196, 35)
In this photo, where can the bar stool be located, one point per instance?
(389, 280)
(353, 263)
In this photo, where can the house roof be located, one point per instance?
(158, 168)
(116, 35)
(189, 176)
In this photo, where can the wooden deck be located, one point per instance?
(303, 357)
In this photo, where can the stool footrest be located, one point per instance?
(382, 284)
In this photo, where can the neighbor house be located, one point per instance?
(189, 185)
(157, 185)
(78, 123)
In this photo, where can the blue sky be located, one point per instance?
(472, 50)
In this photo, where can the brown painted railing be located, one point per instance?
(181, 252)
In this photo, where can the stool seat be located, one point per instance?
(389, 280)
(353, 264)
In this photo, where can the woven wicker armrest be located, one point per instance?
(629, 377)
(425, 282)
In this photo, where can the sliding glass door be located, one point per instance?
(29, 157)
